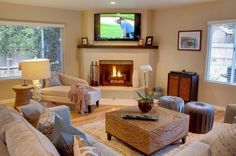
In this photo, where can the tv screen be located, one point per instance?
(117, 27)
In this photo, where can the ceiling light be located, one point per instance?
(112, 2)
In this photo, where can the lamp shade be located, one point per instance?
(35, 69)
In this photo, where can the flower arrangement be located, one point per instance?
(146, 101)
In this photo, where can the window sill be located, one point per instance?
(221, 83)
(10, 78)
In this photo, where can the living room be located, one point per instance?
(162, 21)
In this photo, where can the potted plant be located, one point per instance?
(146, 102)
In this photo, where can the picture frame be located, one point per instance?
(84, 40)
(189, 40)
(149, 40)
(141, 42)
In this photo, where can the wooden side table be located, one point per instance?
(23, 94)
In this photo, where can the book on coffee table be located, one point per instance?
(150, 117)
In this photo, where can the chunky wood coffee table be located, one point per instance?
(148, 136)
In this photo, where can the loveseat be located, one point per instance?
(59, 93)
(30, 140)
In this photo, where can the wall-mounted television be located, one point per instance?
(117, 27)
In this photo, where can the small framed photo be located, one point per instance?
(149, 40)
(84, 40)
(141, 42)
(190, 40)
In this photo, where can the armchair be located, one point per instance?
(230, 113)
(59, 94)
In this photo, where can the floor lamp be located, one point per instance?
(35, 70)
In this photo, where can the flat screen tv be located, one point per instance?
(117, 26)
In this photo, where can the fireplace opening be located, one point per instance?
(115, 72)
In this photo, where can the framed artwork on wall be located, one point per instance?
(189, 40)
(84, 40)
(149, 40)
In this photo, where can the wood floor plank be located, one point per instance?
(98, 114)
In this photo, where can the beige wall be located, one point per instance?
(168, 23)
(72, 32)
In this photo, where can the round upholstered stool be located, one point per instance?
(201, 117)
(172, 103)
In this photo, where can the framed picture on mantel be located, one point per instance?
(190, 40)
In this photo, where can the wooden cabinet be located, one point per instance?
(184, 85)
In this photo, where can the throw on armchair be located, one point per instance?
(59, 93)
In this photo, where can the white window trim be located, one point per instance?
(22, 23)
(229, 21)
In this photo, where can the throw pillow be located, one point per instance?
(53, 81)
(224, 143)
(31, 112)
(24, 140)
(83, 148)
(59, 132)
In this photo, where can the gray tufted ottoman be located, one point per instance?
(172, 103)
(201, 117)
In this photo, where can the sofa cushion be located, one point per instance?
(56, 91)
(207, 138)
(31, 112)
(54, 80)
(24, 140)
(58, 131)
(7, 115)
(197, 148)
(224, 143)
(83, 148)
(3, 149)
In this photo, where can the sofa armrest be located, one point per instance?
(63, 111)
(70, 80)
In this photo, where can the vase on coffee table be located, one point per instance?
(145, 105)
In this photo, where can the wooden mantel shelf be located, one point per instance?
(118, 46)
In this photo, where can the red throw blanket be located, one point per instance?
(77, 95)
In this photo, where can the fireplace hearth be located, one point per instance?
(115, 72)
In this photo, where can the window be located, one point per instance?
(221, 52)
(20, 41)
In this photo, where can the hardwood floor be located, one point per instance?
(99, 114)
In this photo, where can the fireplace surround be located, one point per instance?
(115, 72)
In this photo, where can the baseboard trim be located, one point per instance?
(7, 101)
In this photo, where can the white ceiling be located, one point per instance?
(105, 4)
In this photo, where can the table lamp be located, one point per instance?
(35, 70)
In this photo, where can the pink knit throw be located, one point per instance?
(77, 95)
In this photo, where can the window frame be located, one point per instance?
(208, 56)
(38, 24)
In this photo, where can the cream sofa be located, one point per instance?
(201, 147)
(62, 111)
(59, 94)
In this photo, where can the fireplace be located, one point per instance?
(115, 72)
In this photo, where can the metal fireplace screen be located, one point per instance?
(115, 72)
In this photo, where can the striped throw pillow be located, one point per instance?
(83, 148)
(58, 131)
(225, 143)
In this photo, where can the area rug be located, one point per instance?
(97, 131)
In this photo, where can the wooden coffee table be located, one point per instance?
(148, 136)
